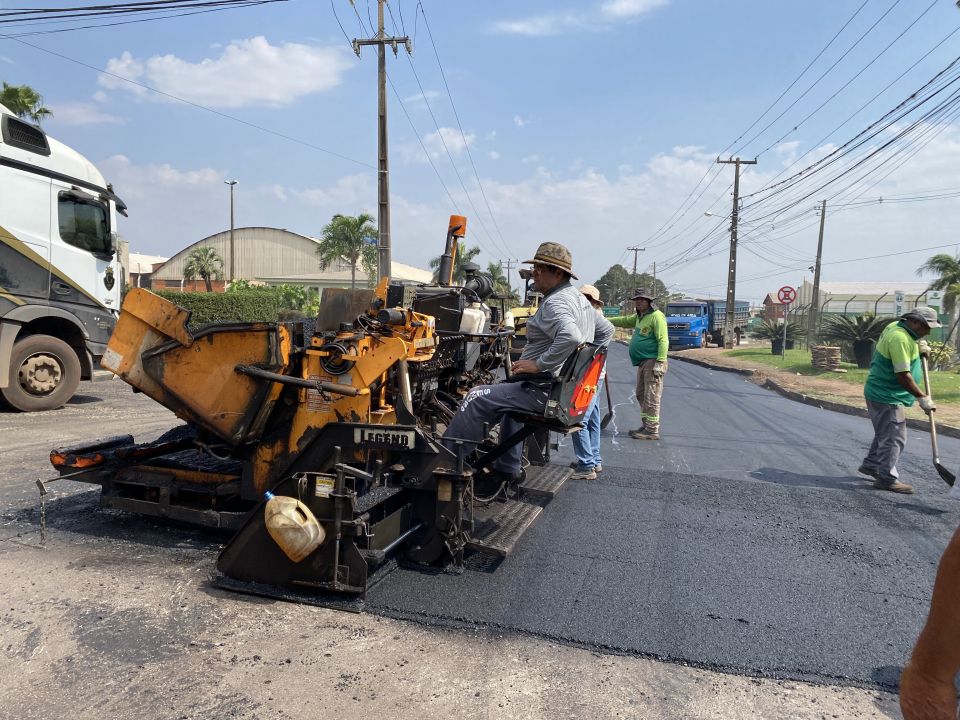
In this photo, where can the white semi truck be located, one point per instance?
(60, 273)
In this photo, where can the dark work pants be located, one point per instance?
(486, 404)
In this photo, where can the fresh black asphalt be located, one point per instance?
(744, 540)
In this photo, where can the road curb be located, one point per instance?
(776, 387)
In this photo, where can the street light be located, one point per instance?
(231, 183)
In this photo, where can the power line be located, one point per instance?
(190, 102)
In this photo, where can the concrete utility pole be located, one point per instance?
(635, 250)
(815, 304)
(728, 336)
(509, 264)
(233, 257)
(383, 173)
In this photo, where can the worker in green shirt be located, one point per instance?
(648, 352)
(892, 385)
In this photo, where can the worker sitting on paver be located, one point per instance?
(564, 320)
(648, 351)
(927, 689)
(892, 385)
(586, 442)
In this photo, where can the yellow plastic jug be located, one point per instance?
(292, 526)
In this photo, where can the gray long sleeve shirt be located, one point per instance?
(564, 320)
(604, 330)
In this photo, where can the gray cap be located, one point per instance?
(923, 314)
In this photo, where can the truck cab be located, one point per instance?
(688, 323)
(60, 275)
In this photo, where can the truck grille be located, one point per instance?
(677, 326)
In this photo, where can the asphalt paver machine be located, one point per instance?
(342, 422)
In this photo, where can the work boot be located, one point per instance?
(645, 434)
(869, 472)
(588, 474)
(598, 469)
(894, 486)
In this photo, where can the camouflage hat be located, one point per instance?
(644, 294)
(555, 255)
(591, 293)
(924, 314)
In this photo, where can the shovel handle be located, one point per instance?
(933, 423)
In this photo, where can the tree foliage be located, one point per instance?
(299, 300)
(844, 329)
(24, 102)
(204, 262)
(618, 284)
(353, 240)
(464, 255)
(772, 330)
(501, 286)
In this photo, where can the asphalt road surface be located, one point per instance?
(744, 540)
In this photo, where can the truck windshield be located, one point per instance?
(684, 310)
(84, 223)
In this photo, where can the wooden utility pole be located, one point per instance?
(381, 40)
(633, 278)
(815, 305)
(728, 337)
(509, 264)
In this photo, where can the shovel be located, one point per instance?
(948, 477)
(609, 416)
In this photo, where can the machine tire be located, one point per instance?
(703, 339)
(44, 374)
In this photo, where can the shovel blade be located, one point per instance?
(606, 420)
(948, 477)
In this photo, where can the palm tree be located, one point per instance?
(203, 262)
(501, 286)
(464, 256)
(947, 268)
(353, 239)
(24, 102)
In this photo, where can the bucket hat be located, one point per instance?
(644, 294)
(924, 314)
(555, 255)
(591, 292)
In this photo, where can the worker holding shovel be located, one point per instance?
(892, 385)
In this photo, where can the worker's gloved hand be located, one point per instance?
(927, 404)
(924, 348)
(659, 368)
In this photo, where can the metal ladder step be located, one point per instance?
(544, 480)
(497, 528)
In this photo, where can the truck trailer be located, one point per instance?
(693, 322)
(60, 275)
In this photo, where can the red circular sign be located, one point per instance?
(787, 294)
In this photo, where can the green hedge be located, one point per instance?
(251, 305)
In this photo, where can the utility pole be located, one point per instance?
(633, 278)
(509, 264)
(814, 307)
(233, 257)
(381, 40)
(728, 336)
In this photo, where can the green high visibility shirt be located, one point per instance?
(649, 341)
(896, 352)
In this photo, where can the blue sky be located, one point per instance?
(588, 123)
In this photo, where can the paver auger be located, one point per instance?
(342, 423)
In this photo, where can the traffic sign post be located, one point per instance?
(786, 295)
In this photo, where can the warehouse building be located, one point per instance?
(271, 256)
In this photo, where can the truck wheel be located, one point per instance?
(44, 374)
(703, 339)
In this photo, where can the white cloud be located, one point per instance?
(247, 72)
(437, 145)
(493, 155)
(421, 98)
(520, 121)
(5, 59)
(596, 18)
(625, 9)
(530, 159)
(350, 191)
(81, 113)
(141, 179)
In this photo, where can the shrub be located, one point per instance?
(772, 330)
(250, 305)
